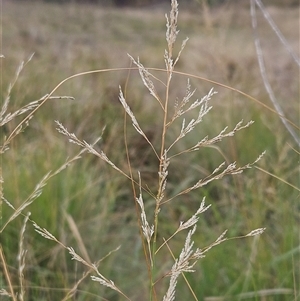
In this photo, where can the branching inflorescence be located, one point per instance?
(188, 257)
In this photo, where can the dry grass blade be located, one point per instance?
(278, 32)
(261, 293)
(8, 278)
(263, 73)
(278, 178)
(74, 229)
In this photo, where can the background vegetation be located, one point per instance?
(137, 3)
(98, 200)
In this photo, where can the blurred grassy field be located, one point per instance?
(69, 39)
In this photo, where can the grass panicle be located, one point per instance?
(182, 264)
(169, 203)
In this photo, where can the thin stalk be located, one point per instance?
(7, 141)
(138, 212)
(6, 273)
(160, 183)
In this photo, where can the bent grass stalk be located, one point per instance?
(188, 257)
(50, 95)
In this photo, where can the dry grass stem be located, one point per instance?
(7, 277)
(260, 293)
(277, 31)
(21, 259)
(263, 72)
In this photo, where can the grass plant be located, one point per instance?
(138, 199)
